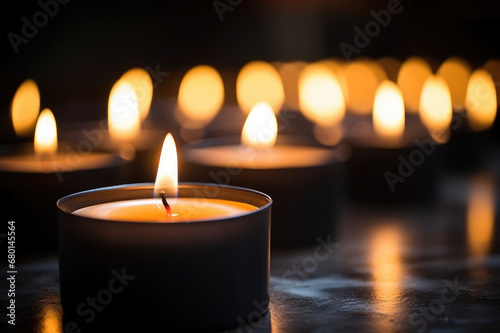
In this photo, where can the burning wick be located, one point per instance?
(165, 203)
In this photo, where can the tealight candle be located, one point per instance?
(48, 173)
(303, 179)
(390, 164)
(196, 255)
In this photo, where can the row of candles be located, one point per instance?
(231, 225)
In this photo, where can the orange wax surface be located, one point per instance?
(152, 210)
(277, 157)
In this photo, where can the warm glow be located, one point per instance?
(141, 81)
(259, 81)
(261, 128)
(492, 66)
(481, 102)
(362, 82)
(320, 95)
(386, 265)
(290, 73)
(51, 319)
(411, 79)
(481, 215)
(456, 72)
(25, 107)
(123, 113)
(391, 67)
(201, 95)
(435, 105)
(389, 111)
(166, 178)
(337, 67)
(46, 134)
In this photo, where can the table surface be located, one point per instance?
(416, 269)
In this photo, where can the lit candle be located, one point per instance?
(154, 210)
(295, 172)
(389, 165)
(131, 129)
(471, 131)
(35, 175)
(189, 251)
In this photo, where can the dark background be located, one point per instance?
(87, 45)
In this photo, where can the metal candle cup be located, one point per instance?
(186, 275)
(31, 185)
(306, 195)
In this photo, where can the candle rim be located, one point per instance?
(146, 187)
(282, 140)
(10, 152)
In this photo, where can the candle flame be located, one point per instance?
(388, 111)
(259, 81)
(321, 98)
(456, 72)
(481, 101)
(46, 134)
(25, 107)
(411, 79)
(435, 104)
(201, 95)
(289, 74)
(362, 78)
(166, 178)
(141, 82)
(123, 113)
(261, 128)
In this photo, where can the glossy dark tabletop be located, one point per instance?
(418, 269)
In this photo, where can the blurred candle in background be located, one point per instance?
(389, 113)
(411, 78)
(435, 108)
(456, 72)
(259, 81)
(322, 102)
(201, 96)
(481, 100)
(25, 107)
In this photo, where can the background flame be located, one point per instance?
(456, 72)
(259, 81)
(321, 98)
(388, 111)
(141, 82)
(261, 128)
(25, 107)
(435, 104)
(481, 101)
(201, 95)
(362, 82)
(123, 113)
(411, 78)
(46, 134)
